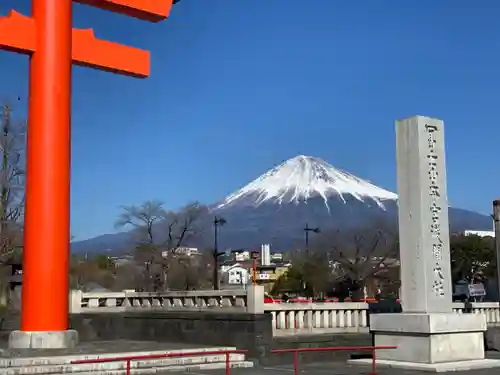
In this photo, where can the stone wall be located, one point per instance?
(8, 322)
(252, 332)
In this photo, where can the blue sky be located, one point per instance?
(238, 86)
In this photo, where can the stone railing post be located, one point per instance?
(75, 301)
(255, 299)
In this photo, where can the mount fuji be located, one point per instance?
(302, 178)
(275, 207)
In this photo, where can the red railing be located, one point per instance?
(129, 359)
(297, 351)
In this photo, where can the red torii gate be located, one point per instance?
(53, 46)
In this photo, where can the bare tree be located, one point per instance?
(190, 272)
(129, 276)
(181, 227)
(160, 234)
(142, 219)
(362, 256)
(12, 173)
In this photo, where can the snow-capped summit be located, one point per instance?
(303, 177)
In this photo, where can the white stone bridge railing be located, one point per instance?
(198, 300)
(287, 318)
(346, 317)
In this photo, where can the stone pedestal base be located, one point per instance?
(433, 367)
(433, 342)
(43, 340)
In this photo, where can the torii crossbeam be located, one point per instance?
(53, 46)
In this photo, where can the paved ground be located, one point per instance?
(320, 368)
(324, 368)
(336, 368)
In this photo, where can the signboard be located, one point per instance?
(477, 290)
(277, 256)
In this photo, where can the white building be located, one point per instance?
(235, 274)
(186, 251)
(265, 255)
(241, 256)
(480, 233)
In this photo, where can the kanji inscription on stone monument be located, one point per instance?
(423, 216)
(428, 334)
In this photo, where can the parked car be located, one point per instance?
(269, 299)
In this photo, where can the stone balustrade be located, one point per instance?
(346, 317)
(322, 317)
(287, 318)
(99, 302)
(491, 310)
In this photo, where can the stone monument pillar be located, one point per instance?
(428, 334)
(423, 216)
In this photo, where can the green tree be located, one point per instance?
(104, 262)
(471, 255)
(310, 274)
(291, 281)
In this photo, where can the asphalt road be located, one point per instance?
(337, 368)
(325, 368)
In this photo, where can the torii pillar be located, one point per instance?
(53, 46)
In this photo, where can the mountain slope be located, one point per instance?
(302, 178)
(274, 208)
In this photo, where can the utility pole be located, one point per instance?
(218, 222)
(496, 223)
(306, 231)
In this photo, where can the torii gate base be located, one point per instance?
(43, 340)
